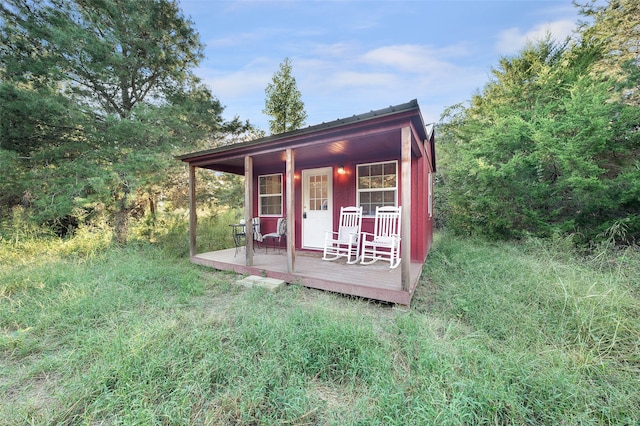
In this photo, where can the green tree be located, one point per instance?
(121, 98)
(543, 149)
(613, 25)
(112, 54)
(284, 101)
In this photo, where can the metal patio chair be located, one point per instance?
(281, 231)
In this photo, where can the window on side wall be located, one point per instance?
(377, 185)
(270, 195)
(430, 199)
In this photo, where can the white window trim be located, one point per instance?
(358, 190)
(260, 196)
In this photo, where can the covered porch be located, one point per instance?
(375, 281)
(384, 158)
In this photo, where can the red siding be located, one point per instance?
(344, 194)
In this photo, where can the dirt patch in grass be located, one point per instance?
(424, 295)
(31, 395)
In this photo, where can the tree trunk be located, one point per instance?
(152, 206)
(124, 208)
(121, 226)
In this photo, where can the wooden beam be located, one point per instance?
(405, 168)
(291, 228)
(193, 216)
(248, 208)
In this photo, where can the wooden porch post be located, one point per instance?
(405, 263)
(193, 216)
(248, 208)
(291, 227)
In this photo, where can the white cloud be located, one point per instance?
(341, 79)
(234, 40)
(352, 56)
(236, 84)
(512, 40)
(404, 57)
(414, 59)
(246, 38)
(340, 49)
(354, 79)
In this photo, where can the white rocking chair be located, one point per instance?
(345, 242)
(384, 243)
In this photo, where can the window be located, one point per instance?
(377, 186)
(430, 199)
(270, 195)
(318, 192)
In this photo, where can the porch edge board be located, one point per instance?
(400, 297)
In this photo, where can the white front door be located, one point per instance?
(317, 206)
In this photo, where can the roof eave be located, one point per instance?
(336, 124)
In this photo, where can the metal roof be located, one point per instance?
(371, 115)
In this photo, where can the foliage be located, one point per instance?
(171, 230)
(112, 55)
(283, 101)
(544, 149)
(615, 27)
(99, 96)
(502, 333)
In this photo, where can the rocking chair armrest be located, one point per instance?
(344, 237)
(363, 235)
(395, 238)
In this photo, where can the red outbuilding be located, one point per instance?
(380, 158)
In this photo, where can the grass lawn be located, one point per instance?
(498, 333)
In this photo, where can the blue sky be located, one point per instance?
(351, 57)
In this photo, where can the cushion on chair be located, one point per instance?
(345, 232)
(282, 229)
(384, 240)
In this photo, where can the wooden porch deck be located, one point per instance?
(374, 281)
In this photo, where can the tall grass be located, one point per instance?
(171, 230)
(528, 333)
(559, 319)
